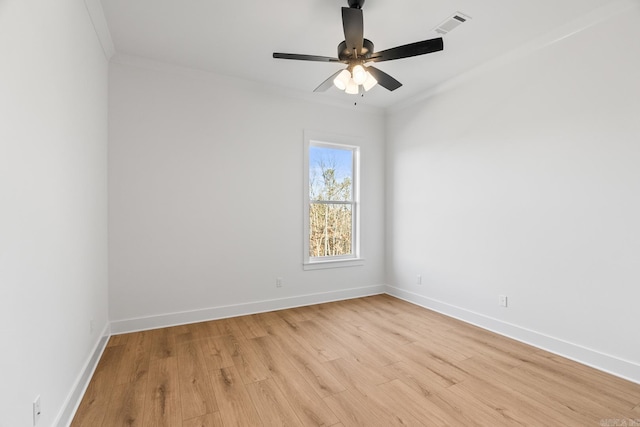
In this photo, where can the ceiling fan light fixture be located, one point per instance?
(342, 80)
(359, 74)
(352, 88)
(369, 82)
(355, 51)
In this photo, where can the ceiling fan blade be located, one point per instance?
(353, 25)
(384, 79)
(305, 57)
(327, 83)
(408, 50)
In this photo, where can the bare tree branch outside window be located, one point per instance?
(331, 197)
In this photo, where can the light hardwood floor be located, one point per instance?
(375, 361)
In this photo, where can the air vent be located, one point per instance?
(451, 23)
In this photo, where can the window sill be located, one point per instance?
(334, 263)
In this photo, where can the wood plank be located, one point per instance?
(513, 407)
(208, 420)
(469, 407)
(215, 353)
(572, 392)
(425, 325)
(126, 405)
(393, 334)
(462, 407)
(310, 335)
(351, 409)
(246, 361)
(251, 326)
(117, 340)
(378, 303)
(268, 318)
(529, 390)
(480, 340)
(321, 350)
(163, 343)
(439, 341)
(227, 326)
(236, 406)
(216, 328)
(355, 305)
(309, 407)
(162, 402)
(196, 391)
(369, 361)
(616, 389)
(356, 343)
(322, 381)
(296, 315)
(422, 380)
(134, 362)
(356, 409)
(95, 401)
(201, 330)
(400, 399)
(448, 370)
(355, 375)
(271, 404)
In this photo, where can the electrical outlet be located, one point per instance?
(419, 279)
(278, 282)
(36, 410)
(502, 300)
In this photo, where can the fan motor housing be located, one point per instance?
(345, 54)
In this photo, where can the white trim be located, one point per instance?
(604, 362)
(99, 21)
(72, 402)
(607, 363)
(343, 102)
(221, 312)
(333, 263)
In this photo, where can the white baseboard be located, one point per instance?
(603, 362)
(586, 356)
(221, 312)
(71, 403)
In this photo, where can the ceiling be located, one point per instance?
(238, 38)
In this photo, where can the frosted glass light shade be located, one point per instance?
(369, 82)
(342, 80)
(352, 88)
(359, 74)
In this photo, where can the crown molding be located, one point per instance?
(256, 86)
(576, 26)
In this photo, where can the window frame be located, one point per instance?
(326, 140)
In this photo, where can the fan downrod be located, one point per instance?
(356, 4)
(345, 54)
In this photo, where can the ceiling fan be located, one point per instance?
(356, 51)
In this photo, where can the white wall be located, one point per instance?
(523, 180)
(53, 204)
(205, 190)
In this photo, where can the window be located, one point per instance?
(331, 201)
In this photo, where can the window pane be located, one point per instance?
(330, 174)
(329, 229)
